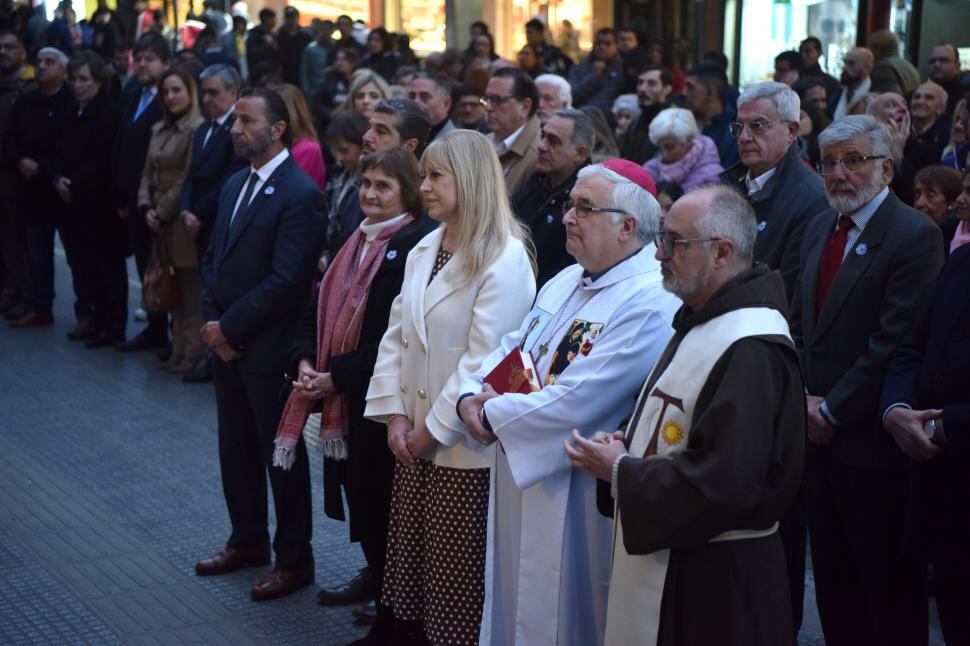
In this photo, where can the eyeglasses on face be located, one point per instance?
(668, 244)
(940, 61)
(756, 128)
(583, 210)
(495, 99)
(854, 163)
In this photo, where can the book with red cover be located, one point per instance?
(516, 373)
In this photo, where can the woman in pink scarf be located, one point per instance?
(336, 349)
(686, 157)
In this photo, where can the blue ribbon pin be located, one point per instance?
(269, 190)
(762, 225)
(392, 254)
(861, 249)
(549, 218)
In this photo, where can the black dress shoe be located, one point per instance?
(8, 300)
(145, 340)
(103, 340)
(84, 329)
(202, 373)
(360, 589)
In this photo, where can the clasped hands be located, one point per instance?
(406, 442)
(213, 337)
(595, 456)
(906, 427)
(470, 411)
(310, 384)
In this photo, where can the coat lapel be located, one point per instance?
(810, 274)
(855, 264)
(220, 133)
(424, 255)
(245, 216)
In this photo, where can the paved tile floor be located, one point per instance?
(109, 493)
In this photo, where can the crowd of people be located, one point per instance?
(592, 346)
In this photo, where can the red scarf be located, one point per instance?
(340, 311)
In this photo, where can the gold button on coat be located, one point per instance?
(404, 388)
(404, 342)
(422, 394)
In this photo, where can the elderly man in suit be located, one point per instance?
(869, 266)
(511, 102)
(213, 161)
(140, 111)
(256, 274)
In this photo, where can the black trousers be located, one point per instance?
(794, 540)
(871, 589)
(953, 606)
(249, 408)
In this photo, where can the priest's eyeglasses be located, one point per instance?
(583, 210)
(854, 163)
(668, 244)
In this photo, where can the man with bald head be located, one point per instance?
(856, 69)
(927, 107)
(944, 69)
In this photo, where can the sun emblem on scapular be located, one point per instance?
(672, 433)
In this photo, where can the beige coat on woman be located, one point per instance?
(169, 156)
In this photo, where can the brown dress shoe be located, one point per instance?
(83, 330)
(360, 589)
(231, 559)
(33, 319)
(280, 583)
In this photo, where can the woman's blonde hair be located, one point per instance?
(485, 219)
(190, 88)
(300, 121)
(359, 79)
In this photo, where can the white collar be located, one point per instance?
(270, 167)
(512, 137)
(372, 229)
(221, 120)
(755, 184)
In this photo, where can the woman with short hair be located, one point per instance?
(935, 192)
(686, 156)
(169, 156)
(465, 285)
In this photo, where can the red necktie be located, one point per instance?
(831, 260)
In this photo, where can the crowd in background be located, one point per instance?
(121, 145)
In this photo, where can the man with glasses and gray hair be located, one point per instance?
(870, 265)
(595, 330)
(712, 455)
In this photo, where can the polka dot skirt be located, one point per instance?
(435, 569)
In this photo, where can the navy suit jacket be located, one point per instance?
(131, 144)
(881, 288)
(930, 371)
(211, 167)
(257, 273)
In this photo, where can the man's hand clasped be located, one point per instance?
(595, 456)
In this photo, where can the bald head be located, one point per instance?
(857, 66)
(927, 104)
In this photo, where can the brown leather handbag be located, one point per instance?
(160, 290)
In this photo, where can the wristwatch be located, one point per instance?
(929, 429)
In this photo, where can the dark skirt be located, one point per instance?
(435, 572)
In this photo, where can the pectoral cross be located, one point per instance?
(543, 349)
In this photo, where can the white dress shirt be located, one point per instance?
(264, 174)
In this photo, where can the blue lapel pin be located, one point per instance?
(269, 190)
(762, 225)
(861, 249)
(392, 254)
(549, 218)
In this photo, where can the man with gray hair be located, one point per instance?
(555, 94)
(213, 162)
(870, 266)
(564, 148)
(712, 456)
(784, 193)
(595, 330)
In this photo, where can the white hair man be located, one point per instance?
(870, 267)
(594, 332)
(554, 94)
(927, 108)
(712, 456)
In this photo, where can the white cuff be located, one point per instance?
(615, 473)
(892, 406)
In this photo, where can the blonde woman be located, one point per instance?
(465, 285)
(168, 159)
(367, 89)
(306, 147)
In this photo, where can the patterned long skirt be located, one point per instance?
(435, 569)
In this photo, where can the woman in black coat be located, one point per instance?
(362, 464)
(83, 180)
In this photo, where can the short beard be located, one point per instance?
(685, 288)
(257, 147)
(855, 202)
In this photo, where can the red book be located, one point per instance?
(516, 373)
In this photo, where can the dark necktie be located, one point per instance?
(831, 260)
(212, 125)
(247, 196)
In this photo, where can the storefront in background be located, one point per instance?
(758, 30)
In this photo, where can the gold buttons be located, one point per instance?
(404, 342)
(422, 394)
(404, 388)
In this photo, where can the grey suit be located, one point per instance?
(870, 587)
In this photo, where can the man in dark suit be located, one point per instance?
(926, 400)
(213, 161)
(256, 276)
(140, 111)
(870, 264)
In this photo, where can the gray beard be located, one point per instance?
(854, 203)
(684, 289)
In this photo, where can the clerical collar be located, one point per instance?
(589, 278)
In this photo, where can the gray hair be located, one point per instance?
(627, 102)
(630, 198)
(854, 126)
(583, 132)
(941, 94)
(61, 56)
(673, 123)
(565, 91)
(785, 99)
(729, 217)
(225, 73)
